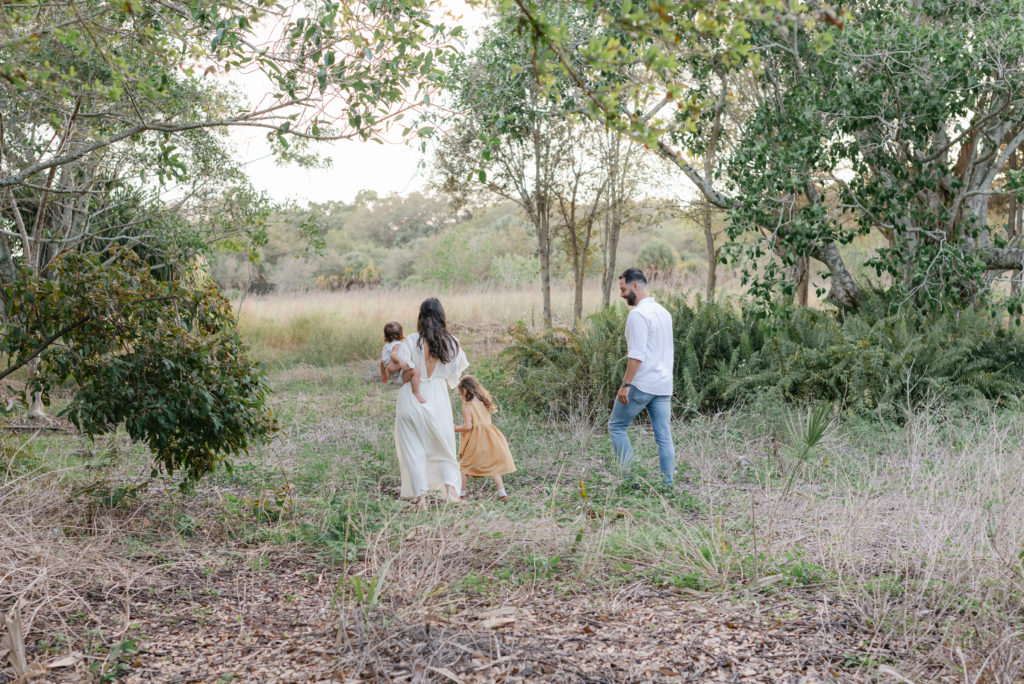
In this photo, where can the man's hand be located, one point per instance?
(623, 395)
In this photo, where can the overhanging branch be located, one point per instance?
(1003, 259)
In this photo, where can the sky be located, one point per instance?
(385, 169)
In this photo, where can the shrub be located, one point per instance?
(163, 359)
(566, 372)
(880, 362)
(355, 270)
(657, 259)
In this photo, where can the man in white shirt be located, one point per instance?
(647, 383)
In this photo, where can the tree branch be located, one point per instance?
(70, 327)
(703, 184)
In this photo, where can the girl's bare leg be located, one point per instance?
(501, 487)
(465, 483)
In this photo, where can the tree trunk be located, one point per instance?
(802, 275)
(712, 253)
(612, 218)
(845, 292)
(611, 249)
(578, 255)
(606, 266)
(35, 406)
(577, 302)
(1014, 218)
(8, 272)
(544, 247)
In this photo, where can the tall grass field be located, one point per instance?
(324, 328)
(801, 543)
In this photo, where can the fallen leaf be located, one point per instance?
(497, 621)
(67, 661)
(445, 672)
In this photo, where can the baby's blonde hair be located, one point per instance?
(471, 389)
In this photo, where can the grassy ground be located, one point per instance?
(884, 553)
(327, 328)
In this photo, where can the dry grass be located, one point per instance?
(328, 328)
(917, 529)
(367, 308)
(896, 553)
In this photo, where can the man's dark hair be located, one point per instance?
(633, 275)
(393, 331)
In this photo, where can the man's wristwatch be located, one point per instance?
(626, 384)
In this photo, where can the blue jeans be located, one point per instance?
(659, 409)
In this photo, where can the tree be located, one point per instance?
(580, 192)
(924, 138)
(343, 70)
(399, 220)
(898, 119)
(509, 136)
(628, 168)
(111, 138)
(159, 357)
(520, 132)
(658, 259)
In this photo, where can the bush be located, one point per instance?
(884, 363)
(657, 259)
(161, 358)
(355, 270)
(880, 362)
(566, 372)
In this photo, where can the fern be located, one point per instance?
(879, 363)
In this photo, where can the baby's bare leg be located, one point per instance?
(412, 376)
(395, 365)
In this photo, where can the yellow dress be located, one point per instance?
(483, 450)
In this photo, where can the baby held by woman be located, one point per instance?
(392, 368)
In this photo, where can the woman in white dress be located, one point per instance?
(425, 433)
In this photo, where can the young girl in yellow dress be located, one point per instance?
(483, 451)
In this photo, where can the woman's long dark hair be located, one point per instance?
(433, 327)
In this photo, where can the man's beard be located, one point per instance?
(631, 298)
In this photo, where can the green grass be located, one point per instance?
(320, 339)
(913, 528)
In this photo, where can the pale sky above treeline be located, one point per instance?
(386, 169)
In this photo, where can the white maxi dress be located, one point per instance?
(425, 433)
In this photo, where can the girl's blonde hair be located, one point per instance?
(471, 389)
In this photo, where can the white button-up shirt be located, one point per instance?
(649, 341)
